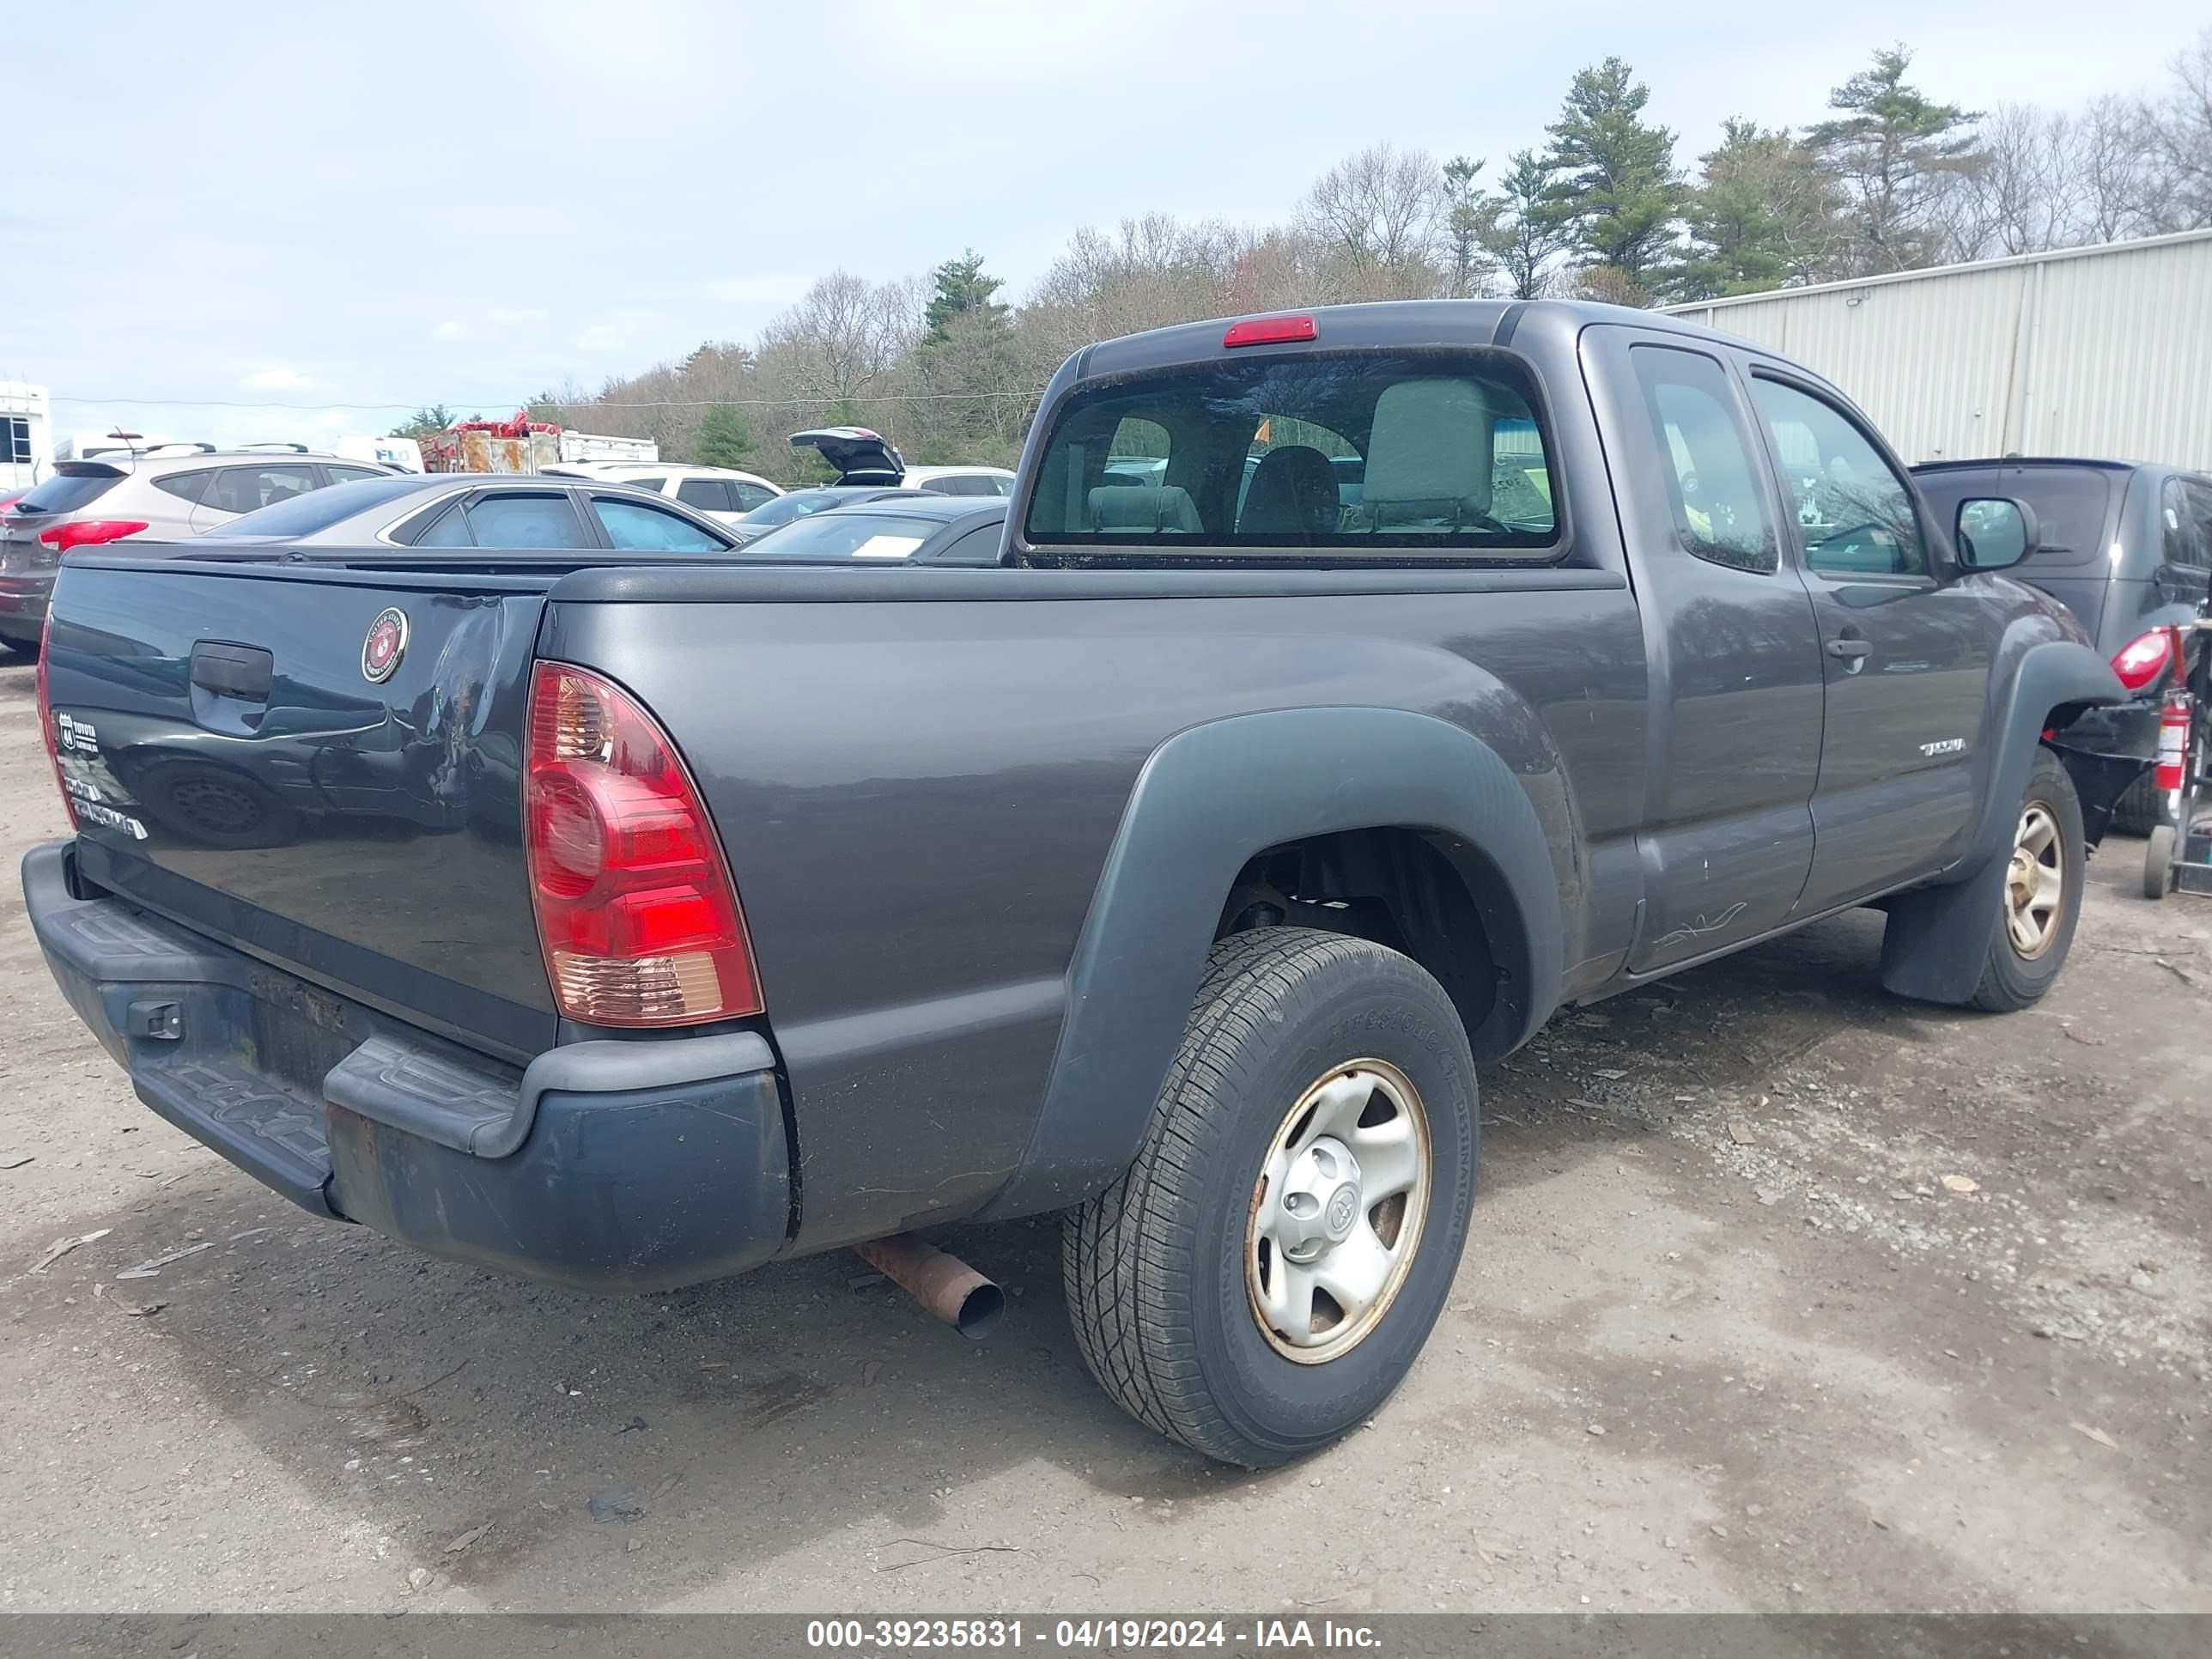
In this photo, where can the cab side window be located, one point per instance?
(1854, 512)
(2186, 518)
(1712, 479)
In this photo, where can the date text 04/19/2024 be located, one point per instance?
(1112, 1635)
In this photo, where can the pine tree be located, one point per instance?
(725, 438)
(1522, 229)
(1467, 220)
(1739, 239)
(1614, 181)
(1894, 150)
(962, 288)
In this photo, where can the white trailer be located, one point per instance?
(26, 435)
(2102, 351)
(604, 447)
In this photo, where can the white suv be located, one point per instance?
(720, 492)
(165, 493)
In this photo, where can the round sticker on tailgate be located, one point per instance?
(387, 643)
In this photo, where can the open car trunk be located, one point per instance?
(861, 456)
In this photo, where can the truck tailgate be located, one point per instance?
(233, 764)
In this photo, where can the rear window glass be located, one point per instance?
(1353, 454)
(847, 535)
(2070, 504)
(65, 492)
(318, 509)
(782, 509)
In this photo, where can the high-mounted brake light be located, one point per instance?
(2144, 660)
(46, 717)
(89, 532)
(1268, 331)
(636, 909)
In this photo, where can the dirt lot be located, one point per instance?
(1782, 1296)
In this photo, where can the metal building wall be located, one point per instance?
(2103, 351)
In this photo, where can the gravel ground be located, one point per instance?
(1781, 1294)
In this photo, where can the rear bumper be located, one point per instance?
(2126, 731)
(23, 596)
(626, 1166)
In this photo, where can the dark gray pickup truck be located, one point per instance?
(1358, 687)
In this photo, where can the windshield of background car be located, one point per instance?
(2070, 504)
(317, 510)
(1350, 454)
(847, 535)
(784, 508)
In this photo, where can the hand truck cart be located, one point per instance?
(2180, 855)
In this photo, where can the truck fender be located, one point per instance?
(1938, 938)
(1207, 801)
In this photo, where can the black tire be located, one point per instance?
(2158, 863)
(2011, 981)
(14, 650)
(2140, 809)
(1156, 1265)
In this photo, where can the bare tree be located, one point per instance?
(2178, 137)
(2111, 176)
(1382, 212)
(2022, 195)
(844, 337)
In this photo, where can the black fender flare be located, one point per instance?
(1208, 800)
(1937, 939)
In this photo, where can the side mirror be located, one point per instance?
(1994, 533)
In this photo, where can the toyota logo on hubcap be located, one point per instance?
(385, 644)
(1342, 1209)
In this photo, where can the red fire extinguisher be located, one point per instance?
(2172, 747)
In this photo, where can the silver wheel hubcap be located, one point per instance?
(1337, 1211)
(2035, 883)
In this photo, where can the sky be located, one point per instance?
(230, 221)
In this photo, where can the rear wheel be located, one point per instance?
(2158, 863)
(1265, 1274)
(2140, 807)
(2042, 895)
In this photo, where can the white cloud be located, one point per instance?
(451, 328)
(756, 290)
(279, 378)
(506, 317)
(332, 418)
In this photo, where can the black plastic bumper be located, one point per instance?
(607, 1165)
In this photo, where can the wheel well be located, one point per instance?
(1432, 895)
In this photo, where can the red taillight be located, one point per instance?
(46, 717)
(89, 532)
(2144, 660)
(636, 909)
(1268, 331)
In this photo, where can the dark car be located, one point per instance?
(2128, 549)
(799, 503)
(929, 529)
(476, 509)
(1173, 872)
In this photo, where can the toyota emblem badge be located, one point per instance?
(387, 644)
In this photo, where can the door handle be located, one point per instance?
(1850, 650)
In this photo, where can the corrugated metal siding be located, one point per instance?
(2104, 351)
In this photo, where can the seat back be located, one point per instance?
(1428, 457)
(1293, 497)
(1141, 510)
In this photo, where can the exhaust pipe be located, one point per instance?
(943, 1283)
